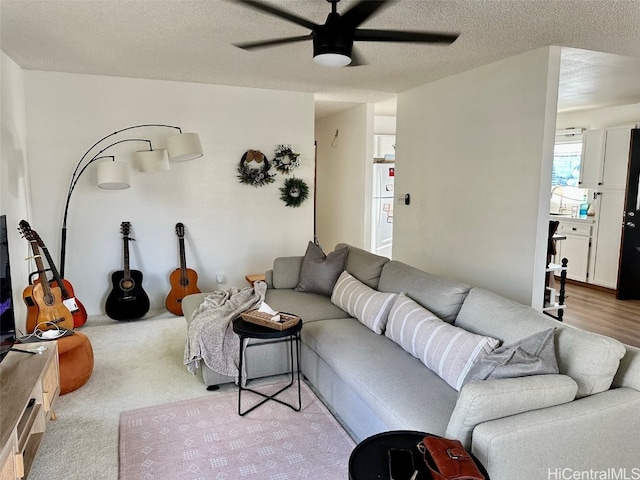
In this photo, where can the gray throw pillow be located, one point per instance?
(319, 272)
(533, 355)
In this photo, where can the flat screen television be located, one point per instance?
(7, 317)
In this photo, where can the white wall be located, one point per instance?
(231, 228)
(384, 125)
(344, 176)
(597, 118)
(474, 151)
(14, 177)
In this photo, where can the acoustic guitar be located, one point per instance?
(69, 299)
(45, 309)
(183, 280)
(127, 299)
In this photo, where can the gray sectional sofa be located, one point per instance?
(585, 418)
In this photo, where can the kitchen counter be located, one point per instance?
(567, 217)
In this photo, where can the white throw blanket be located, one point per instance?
(210, 335)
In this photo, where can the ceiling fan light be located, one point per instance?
(332, 59)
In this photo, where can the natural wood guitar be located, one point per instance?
(183, 280)
(45, 309)
(77, 309)
(127, 299)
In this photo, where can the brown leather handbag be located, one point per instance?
(447, 459)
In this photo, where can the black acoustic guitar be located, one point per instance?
(127, 299)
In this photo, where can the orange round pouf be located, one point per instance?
(76, 361)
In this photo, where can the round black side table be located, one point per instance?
(369, 460)
(246, 330)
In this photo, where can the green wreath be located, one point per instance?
(286, 159)
(294, 192)
(256, 177)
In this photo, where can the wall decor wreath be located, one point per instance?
(294, 192)
(286, 159)
(256, 177)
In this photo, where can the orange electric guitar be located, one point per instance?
(69, 299)
(183, 280)
(45, 309)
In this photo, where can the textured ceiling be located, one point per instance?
(191, 41)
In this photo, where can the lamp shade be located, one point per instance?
(113, 175)
(184, 146)
(152, 160)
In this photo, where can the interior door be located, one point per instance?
(629, 267)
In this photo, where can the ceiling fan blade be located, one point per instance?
(272, 42)
(277, 12)
(361, 11)
(404, 36)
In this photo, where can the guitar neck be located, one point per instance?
(42, 277)
(125, 250)
(54, 271)
(183, 258)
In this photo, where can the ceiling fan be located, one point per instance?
(333, 41)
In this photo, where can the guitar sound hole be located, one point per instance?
(127, 284)
(184, 282)
(49, 300)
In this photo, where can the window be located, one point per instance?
(567, 155)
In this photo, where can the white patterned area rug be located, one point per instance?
(205, 438)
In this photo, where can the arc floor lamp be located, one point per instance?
(114, 175)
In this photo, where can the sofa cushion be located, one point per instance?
(286, 272)
(628, 375)
(369, 306)
(308, 306)
(447, 350)
(363, 265)
(319, 272)
(533, 355)
(590, 359)
(440, 295)
(483, 401)
(396, 386)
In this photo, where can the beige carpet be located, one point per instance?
(137, 364)
(204, 438)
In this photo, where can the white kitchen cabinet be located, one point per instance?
(605, 157)
(603, 171)
(575, 248)
(605, 252)
(616, 157)
(592, 155)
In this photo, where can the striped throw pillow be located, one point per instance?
(369, 306)
(447, 350)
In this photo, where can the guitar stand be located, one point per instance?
(32, 274)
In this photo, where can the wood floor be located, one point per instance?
(599, 311)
